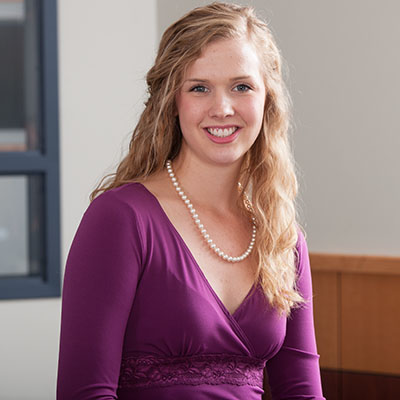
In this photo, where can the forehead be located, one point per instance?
(225, 58)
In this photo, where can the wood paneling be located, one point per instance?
(357, 312)
(346, 385)
(331, 384)
(355, 264)
(357, 386)
(326, 316)
(357, 326)
(371, 323)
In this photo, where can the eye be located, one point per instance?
(199, 89)
(242, 88)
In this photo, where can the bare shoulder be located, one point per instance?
(160, 186)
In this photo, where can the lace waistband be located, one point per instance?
(210, 369)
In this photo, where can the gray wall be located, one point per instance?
(342, 71)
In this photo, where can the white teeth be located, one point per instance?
(222, 132)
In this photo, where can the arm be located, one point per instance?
(100, 280)
(294, 371)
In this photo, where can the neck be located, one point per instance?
(210, 187)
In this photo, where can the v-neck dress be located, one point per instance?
(141, 321)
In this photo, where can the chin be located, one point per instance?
(227, 159)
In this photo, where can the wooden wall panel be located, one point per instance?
(370, 339)
(351, 263)
(361, 386)
(343, 385)
(326, 317)
(332, 384)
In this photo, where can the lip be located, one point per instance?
(222, 140)
(221, 126)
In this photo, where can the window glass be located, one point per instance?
(21, 225)
(19, 76)
(29, 150)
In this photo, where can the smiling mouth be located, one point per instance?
(222, 132)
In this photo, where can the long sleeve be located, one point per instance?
(294, 371)
(101, 275)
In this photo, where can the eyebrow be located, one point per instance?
(237, 78)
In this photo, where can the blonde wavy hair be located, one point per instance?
(268, 168)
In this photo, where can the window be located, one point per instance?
(29, 155)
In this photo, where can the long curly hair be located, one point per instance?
(268, 168)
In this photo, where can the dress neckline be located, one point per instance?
(180, 238)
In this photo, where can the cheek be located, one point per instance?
(254, 110)
(189, 112)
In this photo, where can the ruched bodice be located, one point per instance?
(141, 321)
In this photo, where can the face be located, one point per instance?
(221, 102)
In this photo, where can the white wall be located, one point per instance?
(343, 63)
(105, 49)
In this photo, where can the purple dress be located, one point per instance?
(140, 320)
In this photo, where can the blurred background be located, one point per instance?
(71, 90)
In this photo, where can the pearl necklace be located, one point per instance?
(200, 226)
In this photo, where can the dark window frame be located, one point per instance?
(44, 162)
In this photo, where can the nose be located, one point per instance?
(221, 106)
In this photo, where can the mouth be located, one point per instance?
(222, 132)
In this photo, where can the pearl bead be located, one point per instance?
(203, 231)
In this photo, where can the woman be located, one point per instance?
(188, 274)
